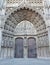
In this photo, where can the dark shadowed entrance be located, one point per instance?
(19, 48)
(32, 53)
(30, 48)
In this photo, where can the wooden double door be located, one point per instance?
(29, 45)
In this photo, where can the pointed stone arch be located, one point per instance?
(26, 14)
(36, 19)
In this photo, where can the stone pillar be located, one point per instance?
(37, 43)
(48, 28)
(0, 37)
(13, 50)
(49, 35)
(25, 48)
(25, 52)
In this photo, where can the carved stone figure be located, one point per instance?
(2, 4)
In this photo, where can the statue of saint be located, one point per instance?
(2, 2)
(2, 7)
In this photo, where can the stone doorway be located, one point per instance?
(19, 48)
(32, 53)
(25, 48)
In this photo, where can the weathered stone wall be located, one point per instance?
(43, 46)
(7, 46)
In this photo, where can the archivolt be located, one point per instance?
(25, 14)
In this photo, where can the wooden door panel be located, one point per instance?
(32, 48)
(19, 48)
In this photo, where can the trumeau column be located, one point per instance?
(25, 48)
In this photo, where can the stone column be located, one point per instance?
(0, 37)
(49, 35)
(25, 48)
(49, 39)
(37, 45)
(13, 50)
(25, 52)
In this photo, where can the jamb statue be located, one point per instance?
(2, 4)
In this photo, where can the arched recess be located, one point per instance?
(18, 48)
(25, 14)
(32, 49)
(35, 18)
(25, 28)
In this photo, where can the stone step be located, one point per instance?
(24, 61)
